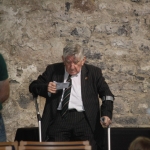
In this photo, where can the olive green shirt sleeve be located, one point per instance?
(3, 69)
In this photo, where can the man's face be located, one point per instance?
(73, 65)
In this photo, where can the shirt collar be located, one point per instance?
(66, 73)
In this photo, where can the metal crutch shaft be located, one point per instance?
(39, 119)
(109, 142)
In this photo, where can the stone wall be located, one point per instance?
(116, 38)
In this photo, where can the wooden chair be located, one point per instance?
(6, 148)
(14, 145)
(63, 147)
(65, 143)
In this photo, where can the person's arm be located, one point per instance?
(40, 86)
(106, 112)
(107, 100)
(4, 90)
(4, 81)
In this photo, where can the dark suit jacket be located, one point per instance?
(93, 86)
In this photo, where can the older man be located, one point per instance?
(74, 112)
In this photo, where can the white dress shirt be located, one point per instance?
(75, 101)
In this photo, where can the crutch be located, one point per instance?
(38, 118)
(108, 135)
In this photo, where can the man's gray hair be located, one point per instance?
(73, 49)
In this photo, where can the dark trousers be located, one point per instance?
(73, 127)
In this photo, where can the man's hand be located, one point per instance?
(52, 87)
(105, 121)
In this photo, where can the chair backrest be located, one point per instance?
(55, 147)
(71, 143)
(6, 147)
(14, 145)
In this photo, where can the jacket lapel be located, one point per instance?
(84, 83)
(61, 74)
(58, 74)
